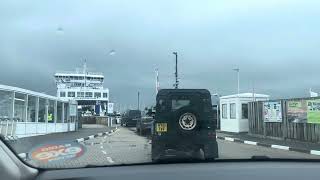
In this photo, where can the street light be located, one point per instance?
(238, 75)
(176, 73)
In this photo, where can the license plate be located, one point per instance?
(161, 127)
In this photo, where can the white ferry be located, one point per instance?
(84, 87)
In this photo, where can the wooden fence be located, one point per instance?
(283, 130)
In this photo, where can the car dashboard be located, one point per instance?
(186, 171)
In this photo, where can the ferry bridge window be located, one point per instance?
(31, 110)
(62, 94)
(88, 94)
(71, 94)
(97, 95)
(105, 95)
(80, 94)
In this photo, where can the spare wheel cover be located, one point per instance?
(188, 121)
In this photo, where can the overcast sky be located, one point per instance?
(276, 44)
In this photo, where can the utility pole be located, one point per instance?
(138, 100)
(176, 73)
(157, 81)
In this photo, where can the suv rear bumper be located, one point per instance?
(164, 146)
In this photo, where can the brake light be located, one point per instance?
(212, 134)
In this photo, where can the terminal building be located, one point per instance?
(234, 111)
(84, 87)
(26, 113)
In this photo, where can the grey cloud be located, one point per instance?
(275, 45)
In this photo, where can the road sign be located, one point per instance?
(110, 108)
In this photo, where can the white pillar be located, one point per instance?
(26, 108)
(55, 111)
(12, 106)
(12, 114)
(55, 115)
(37, 110)
(46, 114)
(25, 113)
(62, 120)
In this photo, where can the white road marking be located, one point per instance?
(110, 160)
(101, 147)
(104, 152)
(250, 142)
(228, 139)
(80, 140)
(280, 147)
(315, 152)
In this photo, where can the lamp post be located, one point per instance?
(238, 76)
(176, 73)
(138, 100)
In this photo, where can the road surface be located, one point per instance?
(125, 147)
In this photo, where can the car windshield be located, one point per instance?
(117, 82)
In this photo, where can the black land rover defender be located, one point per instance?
(184, 124)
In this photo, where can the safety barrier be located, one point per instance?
(8, 128)
(13, 129)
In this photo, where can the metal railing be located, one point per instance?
(79, 72)
(8, 127)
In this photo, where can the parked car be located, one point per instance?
(118, 118)
(144, 125)
(129, 118)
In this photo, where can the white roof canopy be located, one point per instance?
(245, 95)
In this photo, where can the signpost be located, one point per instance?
(272, 111)
(110, 108)
(313, 111)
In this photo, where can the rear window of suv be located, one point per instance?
(177, 104)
